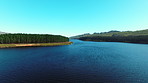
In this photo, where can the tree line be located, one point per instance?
(130, 39)
(31, 38)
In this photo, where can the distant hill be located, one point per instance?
(140, 36)
(78, 36)
(114, 33)
(2, 32)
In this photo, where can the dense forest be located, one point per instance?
(31, 38)
(130, 39)
(116, 36)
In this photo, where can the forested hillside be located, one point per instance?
(114, 32)
(31, 38)
(117, 36)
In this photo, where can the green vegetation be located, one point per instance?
(6, 45)
(125, 33)
(117, 36)
(25, 40)
(31, 38)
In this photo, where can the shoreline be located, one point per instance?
(118, 41)
(34, 44)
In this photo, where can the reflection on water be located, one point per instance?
(81, 62)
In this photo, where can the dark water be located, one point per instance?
(82, 62)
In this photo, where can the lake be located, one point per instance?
(81, 62)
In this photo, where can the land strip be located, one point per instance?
(34, 44)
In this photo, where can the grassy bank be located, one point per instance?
(34, 44)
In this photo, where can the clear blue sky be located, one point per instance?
(72, 17)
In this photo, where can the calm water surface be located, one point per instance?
(81, 62)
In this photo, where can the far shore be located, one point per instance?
(34, 44)
(118, 41)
